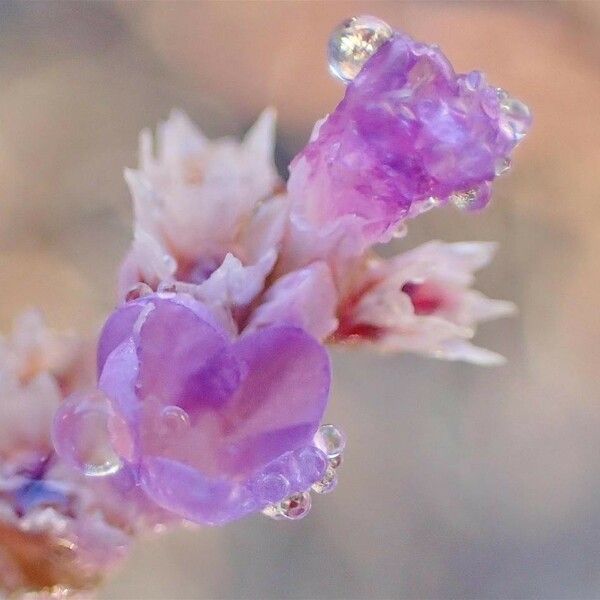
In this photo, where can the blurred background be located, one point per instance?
(459, 482)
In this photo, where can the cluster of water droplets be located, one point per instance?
(514, 119)
(331, 441)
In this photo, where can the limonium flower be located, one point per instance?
(421, 301)
(214, 426)
(409, 133)
(206, 212)
(212, 372)
(56, 530)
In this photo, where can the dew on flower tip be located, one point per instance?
(353, 42)
(175, 419)
(271, 487)
(517, 117)
(138, 291)
(273, 511)
(474, 80)
(429, 204)
(463, 199)
(336, 461)
(501, 93)
(83, 435)
(310, 463)
(296, 507)
(501, 165)
(327, 483)
(330, 440)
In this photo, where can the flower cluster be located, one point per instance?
(57, 530)
(212, 373)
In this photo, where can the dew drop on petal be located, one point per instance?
(463, 200)
(174, 419)
(353, 42)
(272, 487)
(501, 94)
(82, 434)
(327, 483)
(475, 80)
(138, 291)
(474, 199)
(501, 165)
(273, 511)
(336, 461)
(516, 118)
(330, 440)
(296, 507)
(311, 464)
(428, 204)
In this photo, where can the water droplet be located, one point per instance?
(474, 199)
(138, 291)
(336, 461)
(273, 511)
(474, 80)
(327, 483)
(501, 165)
(174, 419)
(428, 204)
(295, 507)
(517, 118)
(463, 200)
(310, 465)
(353, 42)
(330, 440)
(272, 487)
(501, 94)
(82, 434)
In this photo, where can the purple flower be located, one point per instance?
(408, 133)
(214, 427)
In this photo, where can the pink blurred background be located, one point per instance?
(459, 482)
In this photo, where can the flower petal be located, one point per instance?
(174, 342)
(117, 328)
(306, 298)
(281, 400)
